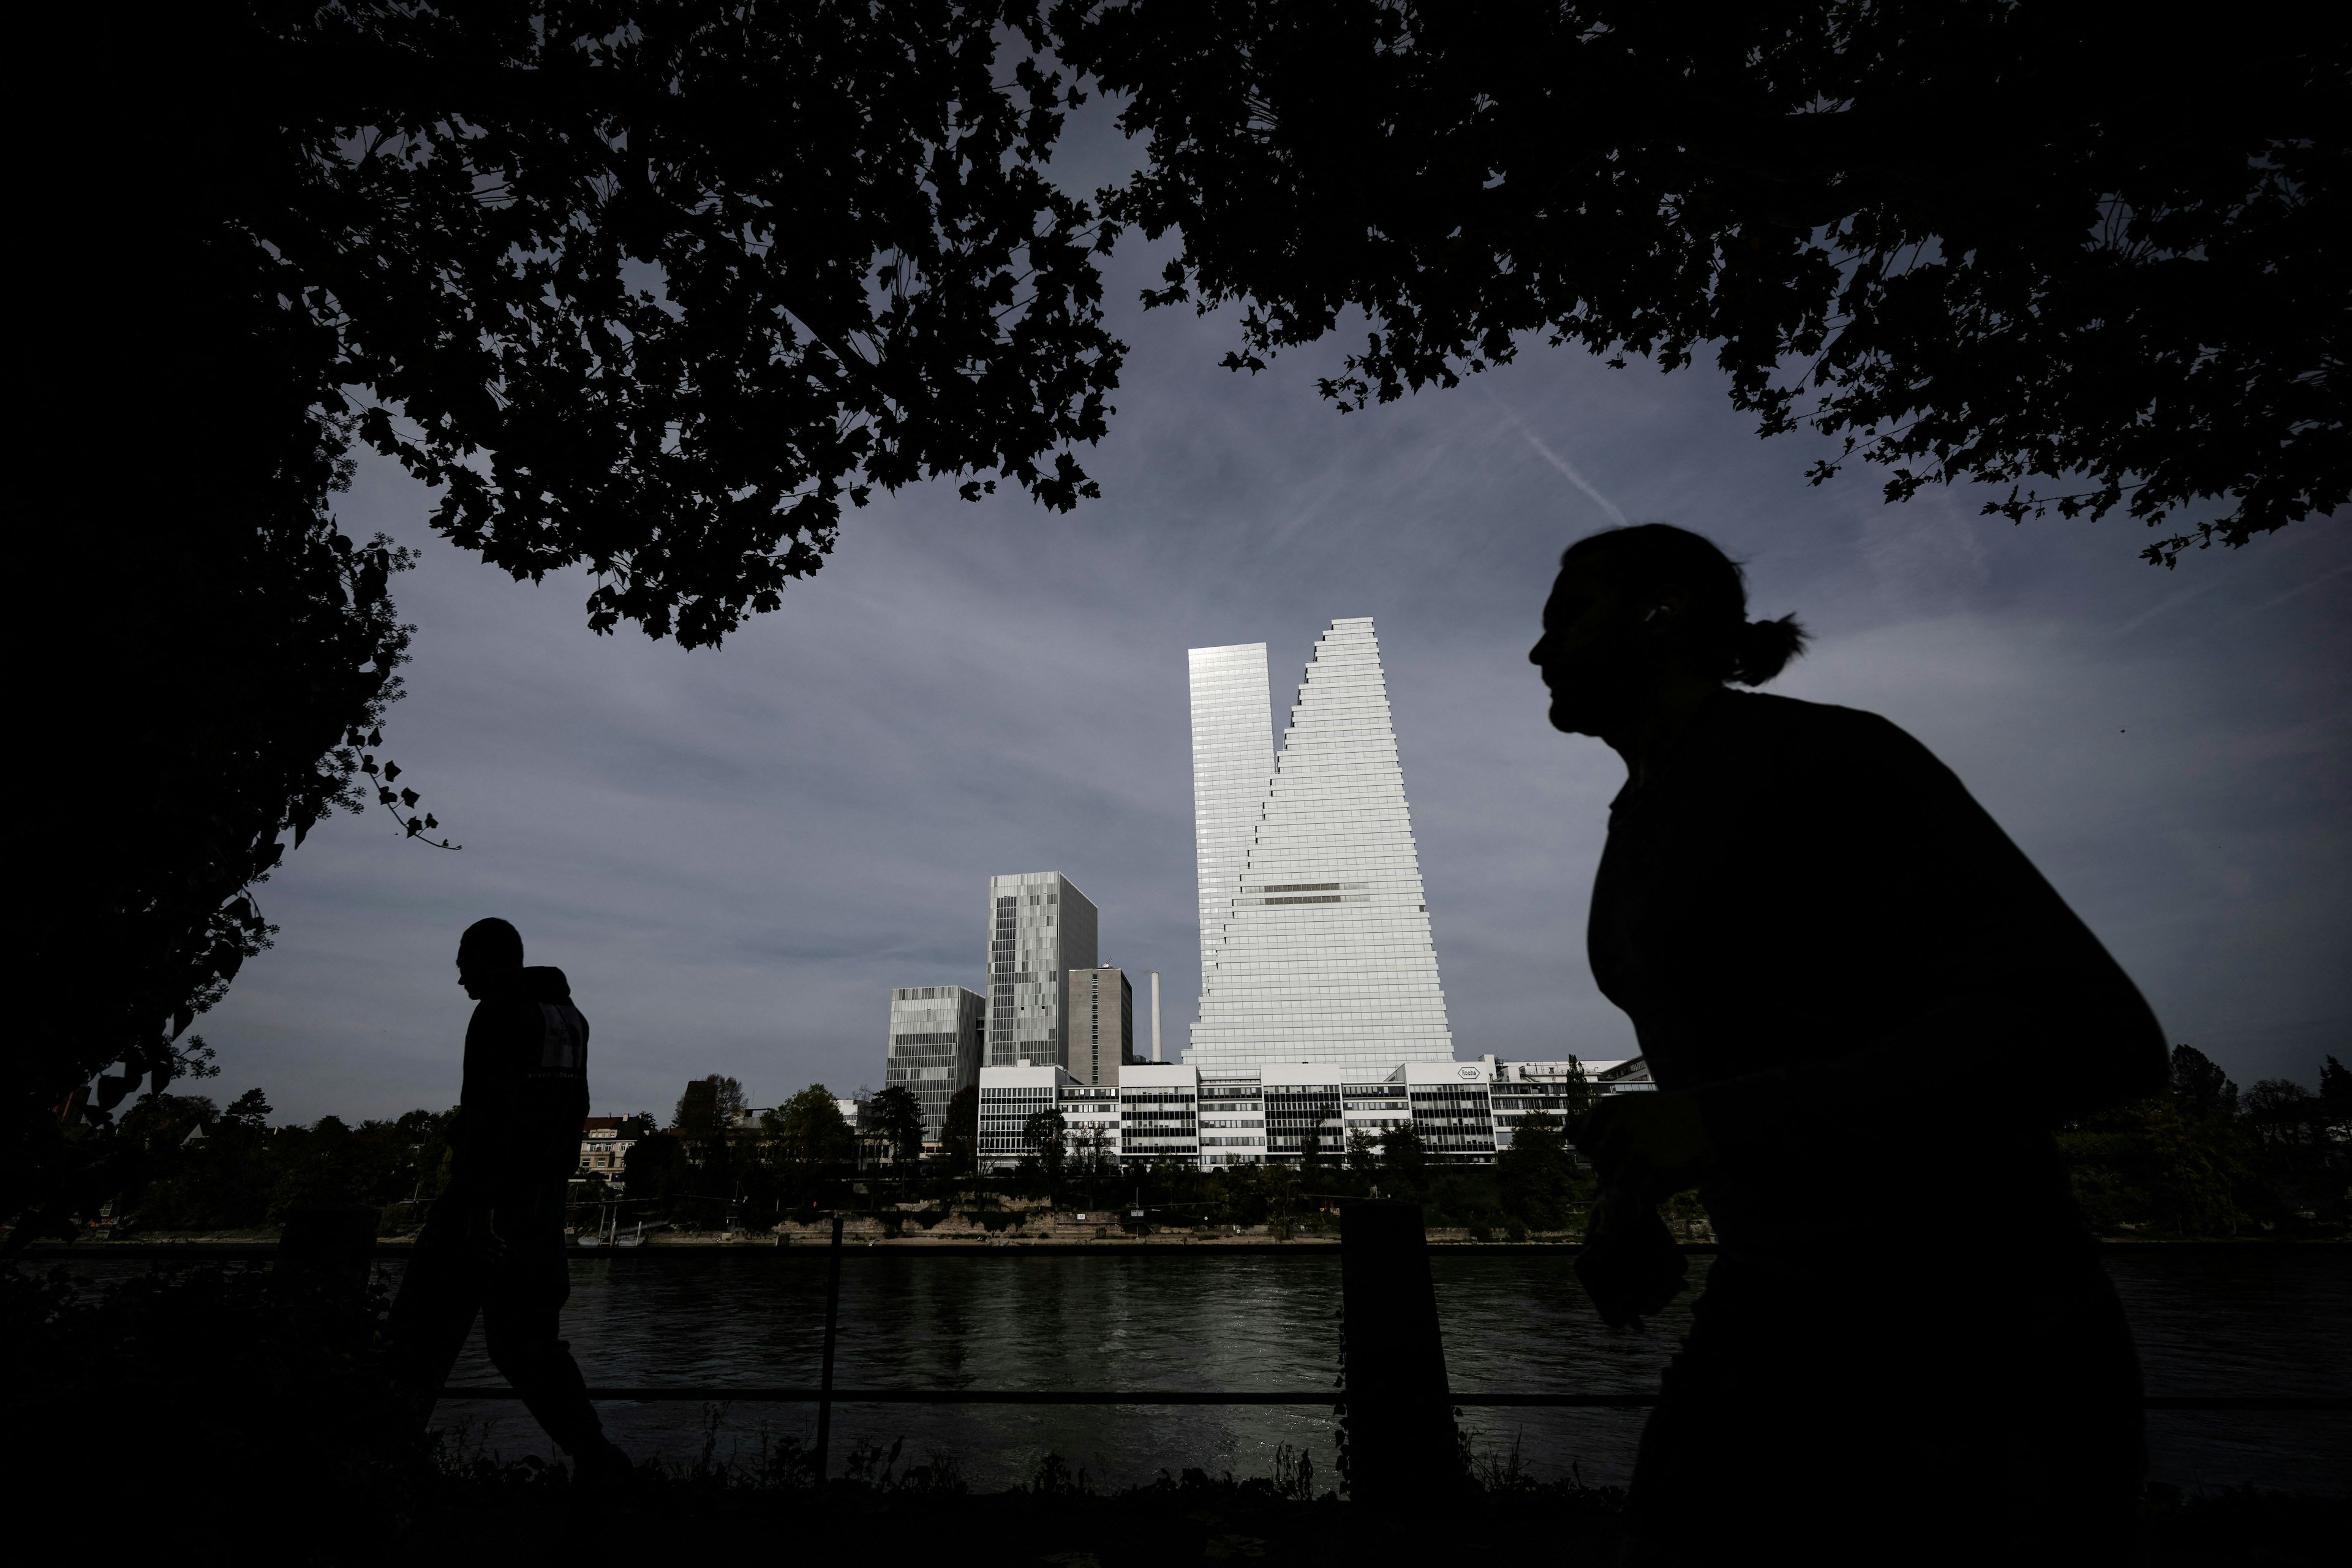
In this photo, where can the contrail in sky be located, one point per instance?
(2295, 592)
(1557, 461)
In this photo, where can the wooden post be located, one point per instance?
(1401, 1439)
(831, 1326)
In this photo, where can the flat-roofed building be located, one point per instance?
(1232, 1117)
(1302, 1109)
(1009, 1097)
(1372, 1109)
(1563, 1090)
(1040, 928)
(1464, 1113)
(1089, 1126)
(934, 1047)
(1102, 1024)
(1160, 1113)
(1452, 1110)
(1618, 1076)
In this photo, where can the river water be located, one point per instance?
(2241, 1320)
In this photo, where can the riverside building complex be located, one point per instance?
(1287, 1113)
(1049, 1006)
(1322, 1022)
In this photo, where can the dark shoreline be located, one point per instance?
(395, 1247)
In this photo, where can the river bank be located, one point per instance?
(262, 1242)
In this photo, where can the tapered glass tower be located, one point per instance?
(1315, 945)
(1233, 763)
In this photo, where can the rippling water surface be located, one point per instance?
(2209, 1320)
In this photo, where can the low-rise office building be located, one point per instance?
(1465, 1112)
(1158, 1113)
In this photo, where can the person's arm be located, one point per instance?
(485, 1134)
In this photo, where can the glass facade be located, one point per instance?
(1159, 1115)
(1039, 928)
(1233, 763)
(1464, 1111)
(1315, 933)
(934, 1047)
(1233, 1124)
(1454, 1113)
(1008, 1099)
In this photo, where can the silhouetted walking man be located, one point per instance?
(1866, 1013)
(493, 1243)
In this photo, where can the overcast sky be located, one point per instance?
(735, 854)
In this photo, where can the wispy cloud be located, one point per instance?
(1567, 469)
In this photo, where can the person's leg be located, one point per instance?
(1789, 1426)
(1723, 1467)
(440, 1293)
(2077, 1444)
(522, 1314)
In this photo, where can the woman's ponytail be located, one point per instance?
(1762, 649)
(1657, 558)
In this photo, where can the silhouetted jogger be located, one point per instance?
(1866, 1012)
(493, 1243)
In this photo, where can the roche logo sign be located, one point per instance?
(1469, 1073)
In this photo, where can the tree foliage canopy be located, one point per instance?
(2202, 1160)
(808, 1129)
(651, 287)
(1975, 240)
(898, 1116)
(959, 1134)
(708, 1107)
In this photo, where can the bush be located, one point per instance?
(185, 1389)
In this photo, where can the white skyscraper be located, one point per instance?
(1233, 763)
(1315, 945)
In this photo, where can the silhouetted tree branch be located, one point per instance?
(1975, 241)
(645, 286)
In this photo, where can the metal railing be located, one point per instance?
(2317, 1403)
(1389, 1306)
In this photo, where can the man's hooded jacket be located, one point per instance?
(526, 1091)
